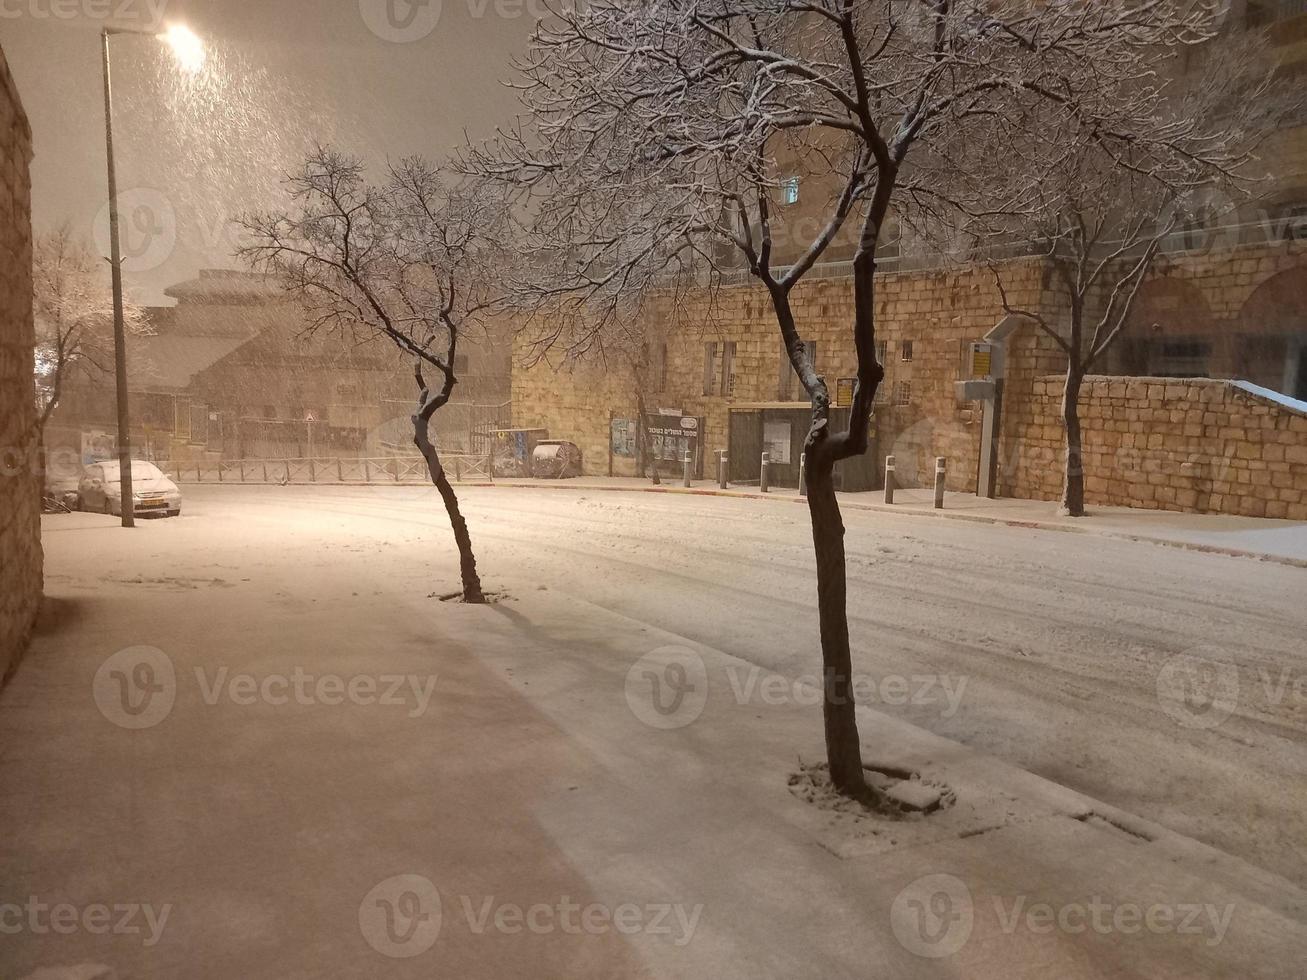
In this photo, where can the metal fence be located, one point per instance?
(329, 469)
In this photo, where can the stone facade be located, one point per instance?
(1191, 444)
(20, 498)
(1162, 443)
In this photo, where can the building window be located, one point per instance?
(905, 350)
(882, 351)
(347, 392)
(903, 393)
(460, 363)
(728, 368)
(790, 190)
(658, 373)
(709, 367)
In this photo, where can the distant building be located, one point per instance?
(229, 372)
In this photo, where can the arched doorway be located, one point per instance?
(1272, 347)
(1171, 334)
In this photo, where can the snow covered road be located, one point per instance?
(1098, 663)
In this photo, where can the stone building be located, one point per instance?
(1172, 443)
(1224, 301)
(229, 373)
(20, 499)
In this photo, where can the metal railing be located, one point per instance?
(344, 470)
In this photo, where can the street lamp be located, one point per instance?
(190, 55)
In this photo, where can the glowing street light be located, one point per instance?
(190, 55)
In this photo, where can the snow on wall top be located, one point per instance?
(1279, 398)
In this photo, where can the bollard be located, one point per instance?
(889, 479)
(764, 472)
(685, 479)
(265, 471)
(803, 474)
(941, 465)
(721, 469)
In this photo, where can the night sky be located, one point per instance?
(195, 151)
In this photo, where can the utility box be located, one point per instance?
(974, 390)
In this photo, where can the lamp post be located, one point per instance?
(190, 53)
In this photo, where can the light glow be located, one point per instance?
(186, 45)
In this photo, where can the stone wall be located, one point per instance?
(1196, 445)
(20, 511)
(917, 416)
(1243, 293)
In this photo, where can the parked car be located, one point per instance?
(100, 489)
(555, 459)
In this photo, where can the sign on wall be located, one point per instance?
(672, 436)
(776, 438)
(844, 392)
(624, 437)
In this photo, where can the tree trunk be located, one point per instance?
(1073, 485)
(843, 745)
(645, 451)
(467, 560)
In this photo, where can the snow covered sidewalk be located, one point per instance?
(268, 760)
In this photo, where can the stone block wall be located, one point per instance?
(917, 416)
(1195, 445)
(20, 502)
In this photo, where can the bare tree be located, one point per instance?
(404, 260)
(72, 307)
(1180, 149)
(652, 142)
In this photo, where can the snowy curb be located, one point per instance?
(909, 511)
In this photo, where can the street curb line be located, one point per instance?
(1037, 525)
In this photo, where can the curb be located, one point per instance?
(1037, 525)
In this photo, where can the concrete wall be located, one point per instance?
(1196, 445)
(20, 510)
